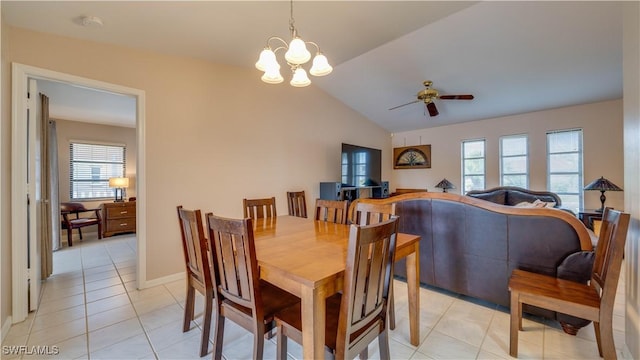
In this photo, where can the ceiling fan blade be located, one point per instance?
(456, 97)
(433, 111)
(409, 103)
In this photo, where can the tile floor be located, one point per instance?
(90, 309)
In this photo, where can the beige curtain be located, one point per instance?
(46, 190)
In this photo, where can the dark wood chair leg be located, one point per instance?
(596, 329)
(206, 323)
(383, 341)
(80, 232)
(392, 308)
(606, 341)
(281, 344)
(69, 236)
(218, 336)
(258, 344)
(188, 308)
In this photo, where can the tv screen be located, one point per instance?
(361, 166)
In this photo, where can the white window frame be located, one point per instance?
(580, 172)
(106, 180)
(503, 157)
(464, 159)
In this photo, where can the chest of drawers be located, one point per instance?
(118, 217)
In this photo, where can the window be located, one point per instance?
(564, 166)
(514, 161)
(91, 166)
(473, 164)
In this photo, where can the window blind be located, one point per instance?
(91, 166)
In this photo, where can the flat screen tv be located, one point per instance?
(361, 166)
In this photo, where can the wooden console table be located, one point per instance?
(587, 216)
(118, 217)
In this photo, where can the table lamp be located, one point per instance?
(119, 183)
(602, 185)
(445, 184)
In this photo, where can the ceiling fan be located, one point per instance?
(429, 94)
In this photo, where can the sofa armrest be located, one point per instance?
(577, 267)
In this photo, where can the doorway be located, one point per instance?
(20, 148)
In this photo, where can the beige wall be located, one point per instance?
(602, 134)
(5, 184)
(631, 66)
(74, 130)
(214, 134)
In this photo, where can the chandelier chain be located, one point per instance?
(292, 21)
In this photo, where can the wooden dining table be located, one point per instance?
(308, 259)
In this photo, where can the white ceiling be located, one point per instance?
(514, 57)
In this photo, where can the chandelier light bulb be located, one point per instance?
(320, 66)
(300, 78)
(297, 53)
(267, 57)
(272, 74)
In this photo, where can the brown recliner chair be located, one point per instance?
(70, 223)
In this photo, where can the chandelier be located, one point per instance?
(296, 55)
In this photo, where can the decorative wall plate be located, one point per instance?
(412, 157)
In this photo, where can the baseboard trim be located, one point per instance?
(162, 280)
(5, 328)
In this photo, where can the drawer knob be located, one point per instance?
(125, 224)
(123, 212)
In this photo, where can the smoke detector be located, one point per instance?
(91, 21)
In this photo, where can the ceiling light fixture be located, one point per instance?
(91, 21)
(296, 55)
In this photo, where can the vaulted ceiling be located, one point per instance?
(514, 57)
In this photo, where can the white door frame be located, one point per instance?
(20, 77)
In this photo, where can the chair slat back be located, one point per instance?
(235, 255)
(297, 203)
(194, 245)
(331, 211)
(259, 208)
(367, 214)
(609, 254)
(368, 272)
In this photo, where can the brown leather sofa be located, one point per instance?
(512, 195)
(470, 246)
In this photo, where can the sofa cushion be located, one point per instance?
(497, 196)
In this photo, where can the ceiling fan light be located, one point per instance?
(297, 53)
(300, 78)
(320, 66)
(267, 58)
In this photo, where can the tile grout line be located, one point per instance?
(144, 331)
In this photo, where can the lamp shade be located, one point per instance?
(267, 59)
(297, 53)
(445, 184)
(320, 66)
(300, 78)
(118, 182)
(602, 184)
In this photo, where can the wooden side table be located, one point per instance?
(588, 215)
(118, 217)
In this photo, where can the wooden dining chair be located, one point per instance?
(71, 219)
(593, 302)
(242, 296)
(331, 211)
(358, 315)
(199, 275)
(259, 208)
(297, 203)
(366, 214)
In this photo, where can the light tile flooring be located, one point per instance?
(90, 308)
